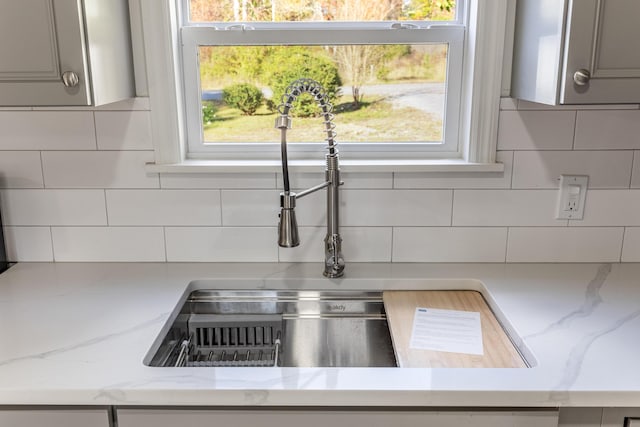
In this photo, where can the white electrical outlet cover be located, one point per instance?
(572, 196)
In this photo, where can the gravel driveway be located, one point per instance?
(427, 97)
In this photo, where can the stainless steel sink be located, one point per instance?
(278, 328)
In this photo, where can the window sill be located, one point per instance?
(252, 166)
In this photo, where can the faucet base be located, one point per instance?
(331, 275)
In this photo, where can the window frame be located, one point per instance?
(477, 124)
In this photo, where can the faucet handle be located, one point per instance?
(333, 260)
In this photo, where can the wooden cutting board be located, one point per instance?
(400, 306)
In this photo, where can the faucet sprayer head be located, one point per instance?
(288, 236)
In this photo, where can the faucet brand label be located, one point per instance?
(338, 307)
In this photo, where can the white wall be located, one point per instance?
(74, 188)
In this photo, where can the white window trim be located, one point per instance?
(481, 88)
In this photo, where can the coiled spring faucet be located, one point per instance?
(288, 236)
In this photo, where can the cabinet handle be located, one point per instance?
(581, 77)
(70, 79)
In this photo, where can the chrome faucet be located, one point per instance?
(288, 236)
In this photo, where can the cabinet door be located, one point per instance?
(621, 417)
(40, 40)
(54, 418)
(337, 418)
(602, 38)
(580, 417)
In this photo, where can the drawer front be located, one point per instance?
(348, 418)
(54, 417)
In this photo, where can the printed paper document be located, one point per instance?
(446, 330)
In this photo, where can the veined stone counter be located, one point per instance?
(77, 334)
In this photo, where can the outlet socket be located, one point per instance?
(572, 196)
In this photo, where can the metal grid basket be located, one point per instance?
(231, 340)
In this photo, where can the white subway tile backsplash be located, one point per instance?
(311, 248)
(631, 246)
(53, 207)
(361, 208)
(163, 207)
(222, 244)
(364, 244)
(459, 179)
(505, 208)
(608, 130)
(28, 244)
(261, 208)
(536, 130)
(449, 244)
(359, 244)
(47, 130)
(253, 207)
(219, 180)
(87, 197)
(542, 169)
(312, 209)
(20, 169)
(352, 180)
(123, 130)
(565, 244)
(98, 169)
(108, 244)
(610, 208)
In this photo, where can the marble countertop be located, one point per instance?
(77, 334)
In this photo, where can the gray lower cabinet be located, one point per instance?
(65, 52)
(576, 52)
(621, 417)
(54, 417)
(599, 417)
(580, 417)
(333, 418)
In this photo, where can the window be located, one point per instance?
(392, 72)
(403, 80)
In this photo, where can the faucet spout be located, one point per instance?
(288, 227)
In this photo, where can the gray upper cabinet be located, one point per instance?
(577, 52)
(65, 52)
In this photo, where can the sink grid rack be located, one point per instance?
(231, 340)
